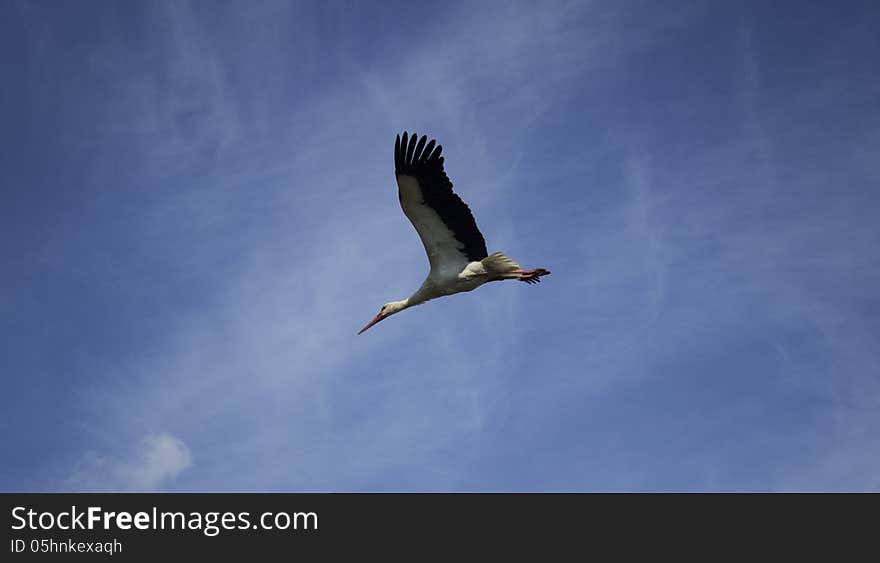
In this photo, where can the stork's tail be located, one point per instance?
(498, 263)
(504, 268)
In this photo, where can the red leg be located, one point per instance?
(530, 276)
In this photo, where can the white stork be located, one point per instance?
(456, 248)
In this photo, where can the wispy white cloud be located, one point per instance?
(154, 463)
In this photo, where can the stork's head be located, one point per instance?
(386, 311)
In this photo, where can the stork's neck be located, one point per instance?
(396, 306)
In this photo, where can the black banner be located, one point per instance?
(239, 525)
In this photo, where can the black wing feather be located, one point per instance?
(413, 158)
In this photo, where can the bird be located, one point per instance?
(455, 247)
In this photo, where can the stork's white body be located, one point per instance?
(455, 247)
(447, 278)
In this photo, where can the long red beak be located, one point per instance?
(378, 318)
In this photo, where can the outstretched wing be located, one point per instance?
(444, 222)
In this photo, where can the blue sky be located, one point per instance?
(200, 212)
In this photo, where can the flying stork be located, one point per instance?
(456, 248)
